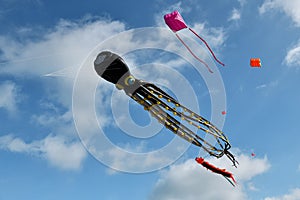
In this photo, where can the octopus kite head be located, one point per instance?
(110, 66)
(113, 68)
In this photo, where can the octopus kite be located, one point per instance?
(167, 110)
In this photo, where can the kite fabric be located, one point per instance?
(176, 23)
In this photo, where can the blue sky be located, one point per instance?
(56, 113)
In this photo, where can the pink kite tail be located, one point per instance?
(186, 46)
(212, 53)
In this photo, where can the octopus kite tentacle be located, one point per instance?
(167, 110)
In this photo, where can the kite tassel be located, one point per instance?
(212, 53)
(186, 46)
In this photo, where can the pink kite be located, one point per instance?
(175, 22)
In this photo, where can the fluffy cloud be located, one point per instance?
(59, 51)
(215, 37)
(63, 47)
(66, 45)
(235, 15)
(293, 195)
(56, 150)
(267, 87)
(291, 8)
(191, 181)
(293, 56)
(9, 96)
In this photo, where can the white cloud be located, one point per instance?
(52, 120)
(191, 181)
(293, 195)
(215, 37)
(7, 142)
(123, 160)
(291, 8)
(67, 45)
(56, 150)
(60, 154)
(252, 187)
(261, 86)
(242, 2)
(235, 15)
(246, 172)
(271, 84)
(293, 56)
(9, 96)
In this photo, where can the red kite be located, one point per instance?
(215, 169)
(255, 62)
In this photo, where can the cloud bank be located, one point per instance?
(291, 8)
(293, 195)
(52, 148)
(9, 96)
(191, 181)
(64, 46)
(293, 56)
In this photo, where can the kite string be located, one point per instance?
(212, 53)
(186, 46)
